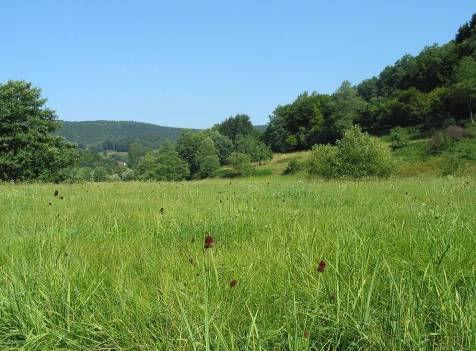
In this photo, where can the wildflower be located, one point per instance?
(162, 210)
(56, 193)
(209, 242)
(321, 267)
(233, 283)
(306, 334)
(61, 198)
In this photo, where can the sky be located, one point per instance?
(194, 63)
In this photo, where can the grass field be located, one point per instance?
(104, 268)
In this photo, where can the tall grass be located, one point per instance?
(104, 269)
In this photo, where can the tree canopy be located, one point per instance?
(28, 149)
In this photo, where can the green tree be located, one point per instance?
(241, 163)
(207, 158)
(399, 137)
(28, 149)
(135, 153)
(223, 144)
(257, 150)
(345, 107)
(464, 86)
(164, 164)
(234, 127)
(187, 147)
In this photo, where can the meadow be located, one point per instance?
(290, 264)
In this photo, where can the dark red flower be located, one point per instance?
(162, 210)
(321, 267)
(56, 193)
(209, 242)
(306, 334)
(233, 283)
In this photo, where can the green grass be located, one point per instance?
(103, 269)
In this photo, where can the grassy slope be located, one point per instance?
(104, 269)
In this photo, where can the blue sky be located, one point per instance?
(194, 63)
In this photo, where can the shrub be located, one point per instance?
(323, 161)
(163, 165)
(439, 142)
(356, 155)
(452, 165)
(241, 163)
(399, 137)
(294, 166)
(127, 175)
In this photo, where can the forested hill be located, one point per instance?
(100, 133)
(118, 135)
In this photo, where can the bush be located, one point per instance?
(294, 167)
(439, 142)
(163, 165)
(399, 137)
(241, 163)
(452, 165)
(356, 155)
(323, 161)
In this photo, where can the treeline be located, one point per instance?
(195, 155)
(434, 88)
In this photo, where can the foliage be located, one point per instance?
(453, 165)
(294, 166)
(241, 163)
(399, 137)
(28, 150)
(356, 155)
(116, 135)
(253, 147)
(164, 164)
(224, 146)
(135, 153)
(235, 127)
(188, 144)
(207, 158)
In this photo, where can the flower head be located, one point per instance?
(209, 242)
(233, 283)
(321, 267)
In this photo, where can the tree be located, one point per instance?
(464, 86)
(207, 158)
(345, 107)
(164, 164)
(187, 147)
(234, 127)
(254, 148)
(223, 144)
(241, 163)
(28, 149)
(135, 153)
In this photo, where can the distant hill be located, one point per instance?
(95, 133)
(117, 135)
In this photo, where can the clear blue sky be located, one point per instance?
(194, 63)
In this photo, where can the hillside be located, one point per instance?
(118, 135)
(89, 133)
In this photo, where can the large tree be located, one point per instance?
(464, 87)
(234, 127)
(164, 164)
(28, 149)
